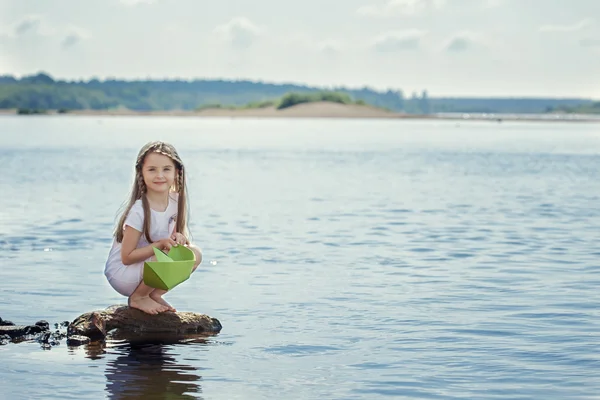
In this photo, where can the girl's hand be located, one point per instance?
(179, 238)
(164, 244)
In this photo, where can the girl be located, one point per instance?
(156, 216)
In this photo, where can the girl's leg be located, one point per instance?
(198, 252)
(141, 300)
(157, 294)
(128, 281)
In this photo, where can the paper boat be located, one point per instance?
(169, 270)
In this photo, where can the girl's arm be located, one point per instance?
(131, 255)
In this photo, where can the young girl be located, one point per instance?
(156, 216)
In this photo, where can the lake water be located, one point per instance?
(346, 259)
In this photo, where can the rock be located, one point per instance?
(118, 320)
(43, 324)
(15, 331)
(4, 339)
(63, 324)
(97, 324)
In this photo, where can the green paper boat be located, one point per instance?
(169, 270)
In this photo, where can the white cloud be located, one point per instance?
(240, 32)
(458, 44)
(398, 41)
(70, 40)
(464, 41)
(74, 36)
(37, 26)
(567, 28)
(400, 7)
(317, 42)
(28, 25)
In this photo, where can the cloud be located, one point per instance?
(398, 41)
(401, 7)
(240, 32)
(38, 27)
(464, 41)
(458, 44)
(31, 23)
(70, 40)
(567, 28)
(74, 36)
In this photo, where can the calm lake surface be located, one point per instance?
(346, 259)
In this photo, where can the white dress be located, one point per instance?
(126, 278)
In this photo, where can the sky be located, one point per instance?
(488, 48)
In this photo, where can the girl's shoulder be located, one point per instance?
(137, 205)
(136, 209)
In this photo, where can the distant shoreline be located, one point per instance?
(323, 110)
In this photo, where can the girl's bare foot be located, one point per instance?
(157, 297)
(146, 304)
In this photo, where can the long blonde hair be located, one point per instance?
(138, 191)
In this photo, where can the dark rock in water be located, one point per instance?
(43, 324)
(4, 339)
(49, 339)
(39, 332)
(63, 324)
(97, 324)
(117, 319)
(15, 331)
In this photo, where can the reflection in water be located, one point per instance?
(146, 369)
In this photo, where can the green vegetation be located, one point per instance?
(28, 111)
(251, 105)
(41, 92)
(212, 106)
(292, 99)
(260, 104)
(289, 100)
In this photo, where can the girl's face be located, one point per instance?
(159, 173)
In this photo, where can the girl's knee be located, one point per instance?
(198, 253)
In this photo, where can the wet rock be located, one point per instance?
(10, 332)
(15, 331)
(96, 324)
(77, 340)
(63, 324)
(43, 324)
(4, 339)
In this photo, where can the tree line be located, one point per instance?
(40, 92)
